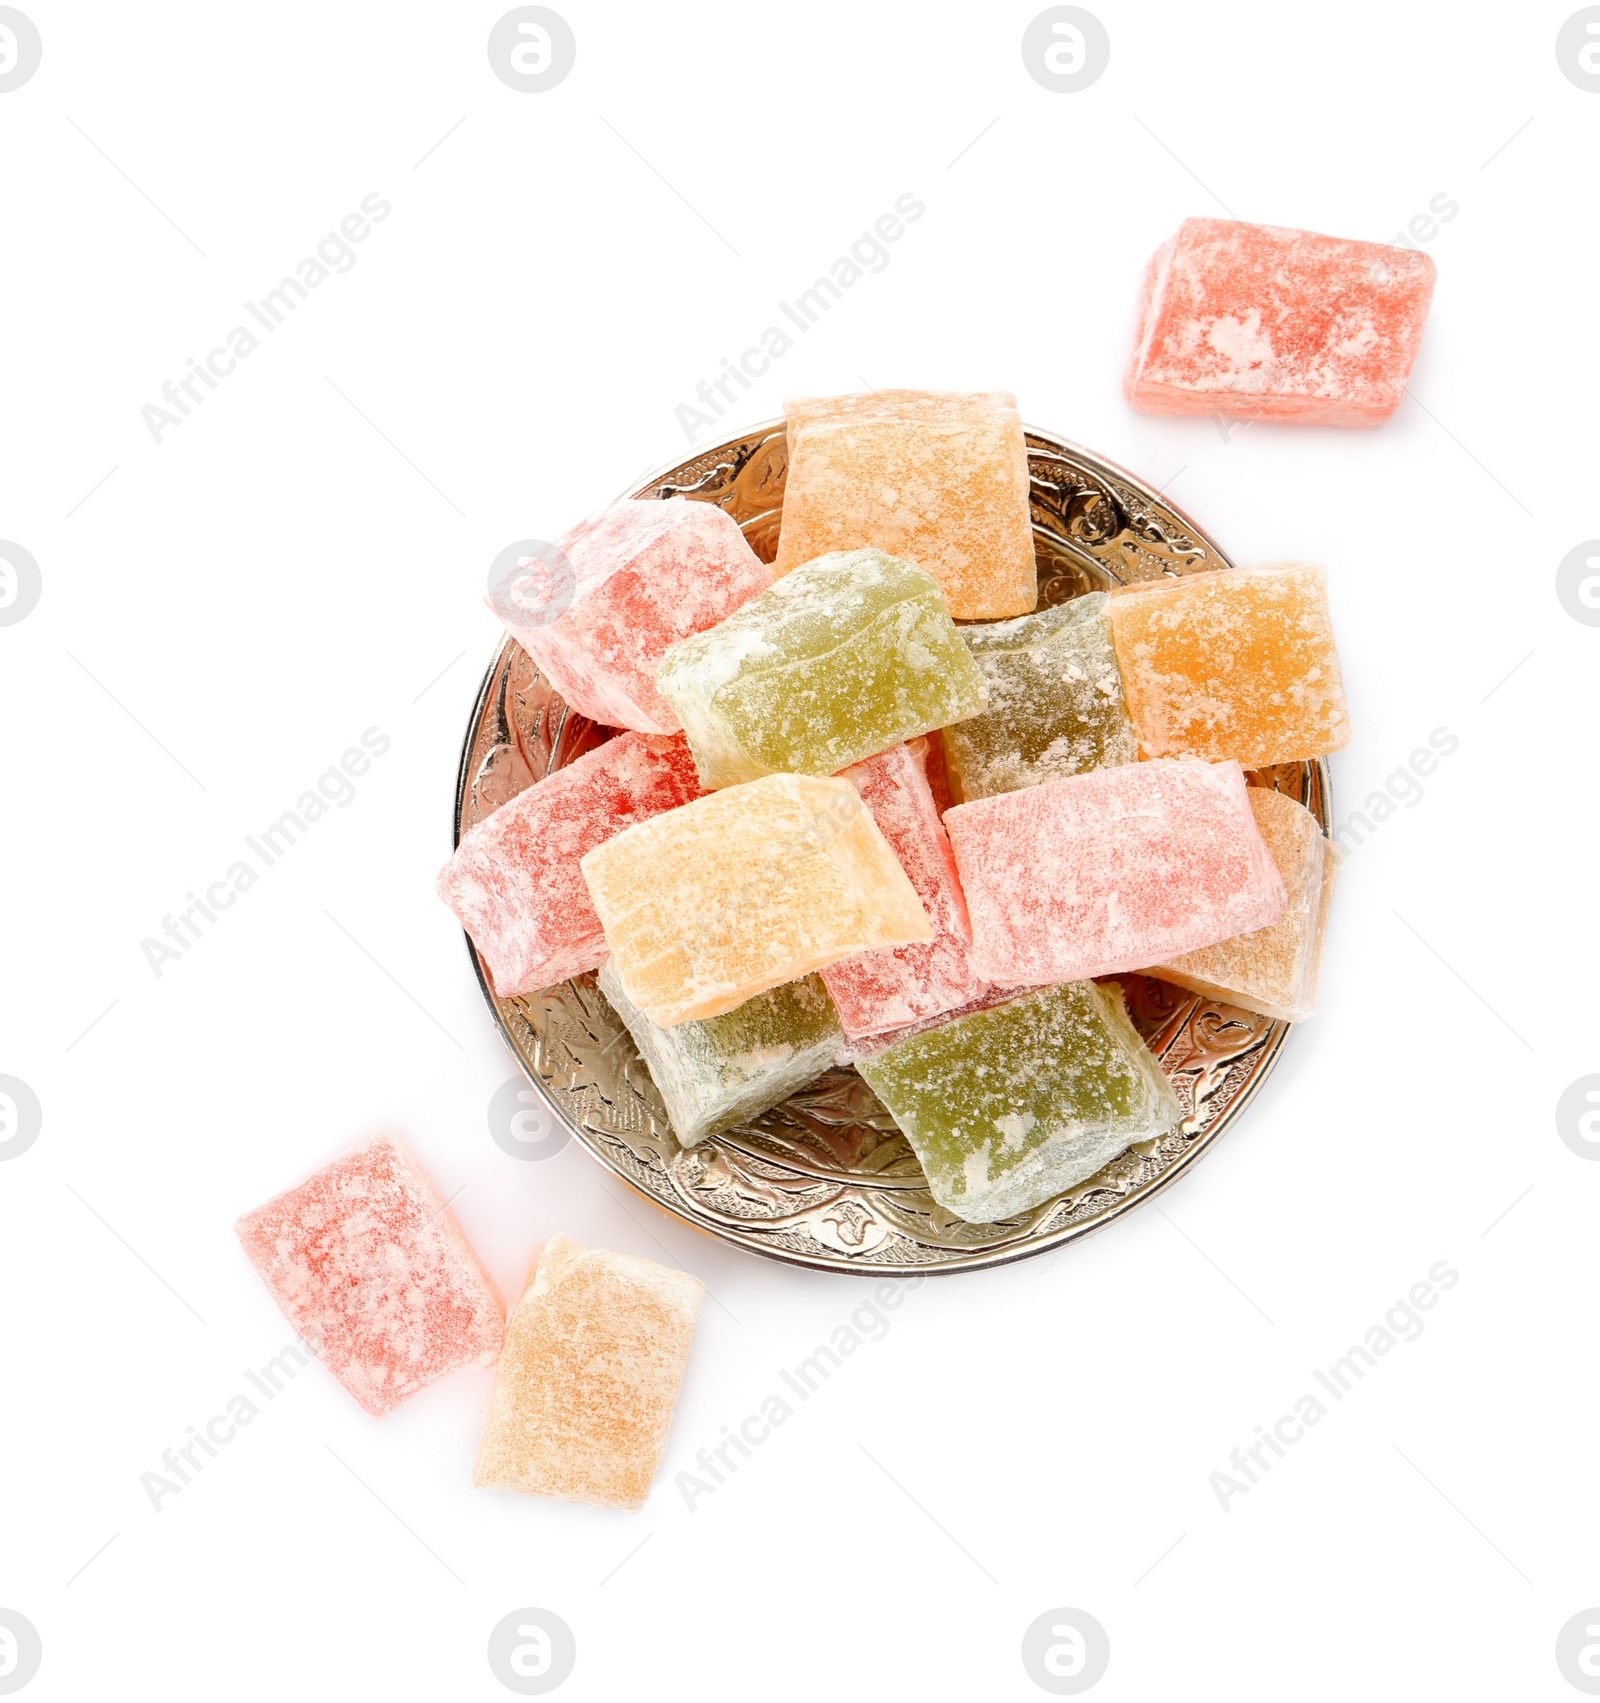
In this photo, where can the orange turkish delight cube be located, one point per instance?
(708, 905)
(937, 478)
(1236, 662)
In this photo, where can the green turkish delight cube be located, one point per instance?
(1008, 1107)
(1055, 702)
(840, 659)
(716, 1072)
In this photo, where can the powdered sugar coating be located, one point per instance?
(1261, 321)
(515, 880)
(1273, 970)
(1237, 662)
(904, 984)
(854, 1049)
(706, 906)
(724, 1070)
(646, 575)
(594, 1358)
(1112, 870)
(373, 1272)
(939, 478)
(1009, 1106)
(842, 658)
(1055, 702)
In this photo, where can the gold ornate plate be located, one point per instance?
(826, 1180)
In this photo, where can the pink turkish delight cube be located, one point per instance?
(372, 1271)
(1260, 321)
(1094, 874)
(514, 880)
(626, 585)
(896, 985)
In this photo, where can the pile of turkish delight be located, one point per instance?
(869, 807)
(840, 826)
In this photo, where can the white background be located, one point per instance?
(231, 607)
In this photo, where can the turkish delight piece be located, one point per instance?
(1008, 1107)
(1112, 870)
(594, 1357)
(725, 1070)
(1055, 702)
(624, 586)
(515, 882)
(842, 658)
(938, 778)
(709, 905)
(854, 1048)
(937, 477)
(372, 1271)
(1273, 970)
(1234, 662)
(1332, 868)
(904, 984)
(1262, 322)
